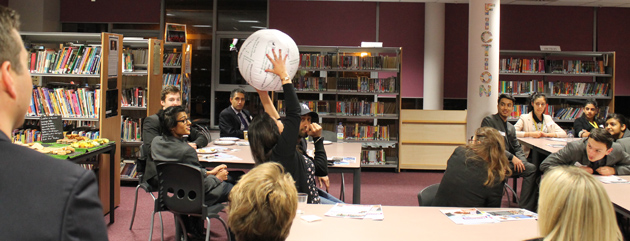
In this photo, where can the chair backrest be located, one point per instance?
(141, 162)
(426, 196)
(204, 131)
(329, 135)
(180, 188)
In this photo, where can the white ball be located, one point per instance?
(252, 59)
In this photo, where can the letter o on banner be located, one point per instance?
(486, 37)
(486, 77)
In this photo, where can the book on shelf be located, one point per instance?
(521, 87)
(517, 65)
(578, 89)
(80, 103)
(373, 157)
(366, 85)
(26, 135)
(360, 108)
(135, 97)
(69, 60)
(310, 83)
(171, 79)
(127, 61)
(128, 169)
(173, 60)
(131, 129)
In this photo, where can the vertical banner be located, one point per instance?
(483, 61)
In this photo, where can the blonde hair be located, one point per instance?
(573, 205)
(263, 204)
(490, 148)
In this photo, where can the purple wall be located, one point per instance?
(402, 25)
(613, 35)
(4, 3)
(456, 50)
(110, 11)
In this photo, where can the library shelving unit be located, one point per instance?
(358, 87)
(568, 78)
(91, 77)
(141, 86)
(177, 69)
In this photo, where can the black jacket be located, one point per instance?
(43, 198)
(512, 145)
(230, 124)
(462, 184)
(582, 124)
(285, 152)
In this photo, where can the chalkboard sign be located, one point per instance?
(52, 128)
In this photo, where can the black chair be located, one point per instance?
(141, 163)
(514, 195)
(426, 196)
(181, 192)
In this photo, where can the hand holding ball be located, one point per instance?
(253, 61)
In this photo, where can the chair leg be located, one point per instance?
(515, 184)
(342, 195)
(159, 213)
(151, 230)
(514, 195)
(182, 227)
(135, 204)
(227, 230)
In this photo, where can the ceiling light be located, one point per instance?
(248, 21)
(256, 27)
(202, 26)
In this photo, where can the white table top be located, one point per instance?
(545, 143)
(619, 193)
(405, 223)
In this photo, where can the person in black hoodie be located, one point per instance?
(272, 140)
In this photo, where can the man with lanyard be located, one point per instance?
(234, 120)
(518, 162)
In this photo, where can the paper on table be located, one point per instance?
(558, 139)
(342, 210)
(611, 179)
(338, 160)
(468, 216)
(557, 145)
(512, 215)
(218, 157)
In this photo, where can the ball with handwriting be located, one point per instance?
(252, 59)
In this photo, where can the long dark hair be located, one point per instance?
(263, 136)
(168, 119)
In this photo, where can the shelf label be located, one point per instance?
(52, 128)
(549, 48)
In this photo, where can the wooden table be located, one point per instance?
(541, 146)
(334, 149)
(405, 223)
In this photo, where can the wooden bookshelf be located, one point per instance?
(181, 68)
(106, 80)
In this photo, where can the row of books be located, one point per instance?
(128, 169)
(127, 62)
(346, 108)
(82, 102)
(186, 87)
(521, 87)
(361, 132)
(131, 129)
(343, 61)
(134, 97)
(171, 79)
(578, 89)
(577, 66)
(373, 157)
(173, 60)
(556, 66)
(365, 84)
(29, 135)
(310, 83)
(518, 65)
(69, 60)
(87, 166)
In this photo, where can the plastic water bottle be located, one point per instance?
(339, 132)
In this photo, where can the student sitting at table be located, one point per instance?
(171, 147)
(536, 123)
(269, 191)
(573, 205)
(271, 140)
(475, 173)
(596, 154)
(588, 120)
(616, 126)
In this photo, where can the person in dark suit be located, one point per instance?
(170, 96)
(518, 162)
(475, 173)
(233, 120)
(583, 125)
(41, 198)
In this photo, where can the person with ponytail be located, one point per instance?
(475, 173)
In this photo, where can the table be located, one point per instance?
(334, 149)
(619, 194)
(541, 146)
(405, 223)
(111, 151)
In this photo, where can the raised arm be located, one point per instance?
(268, 104)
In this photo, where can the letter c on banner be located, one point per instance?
(485, 77)
(483, 91)
(486, 37)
